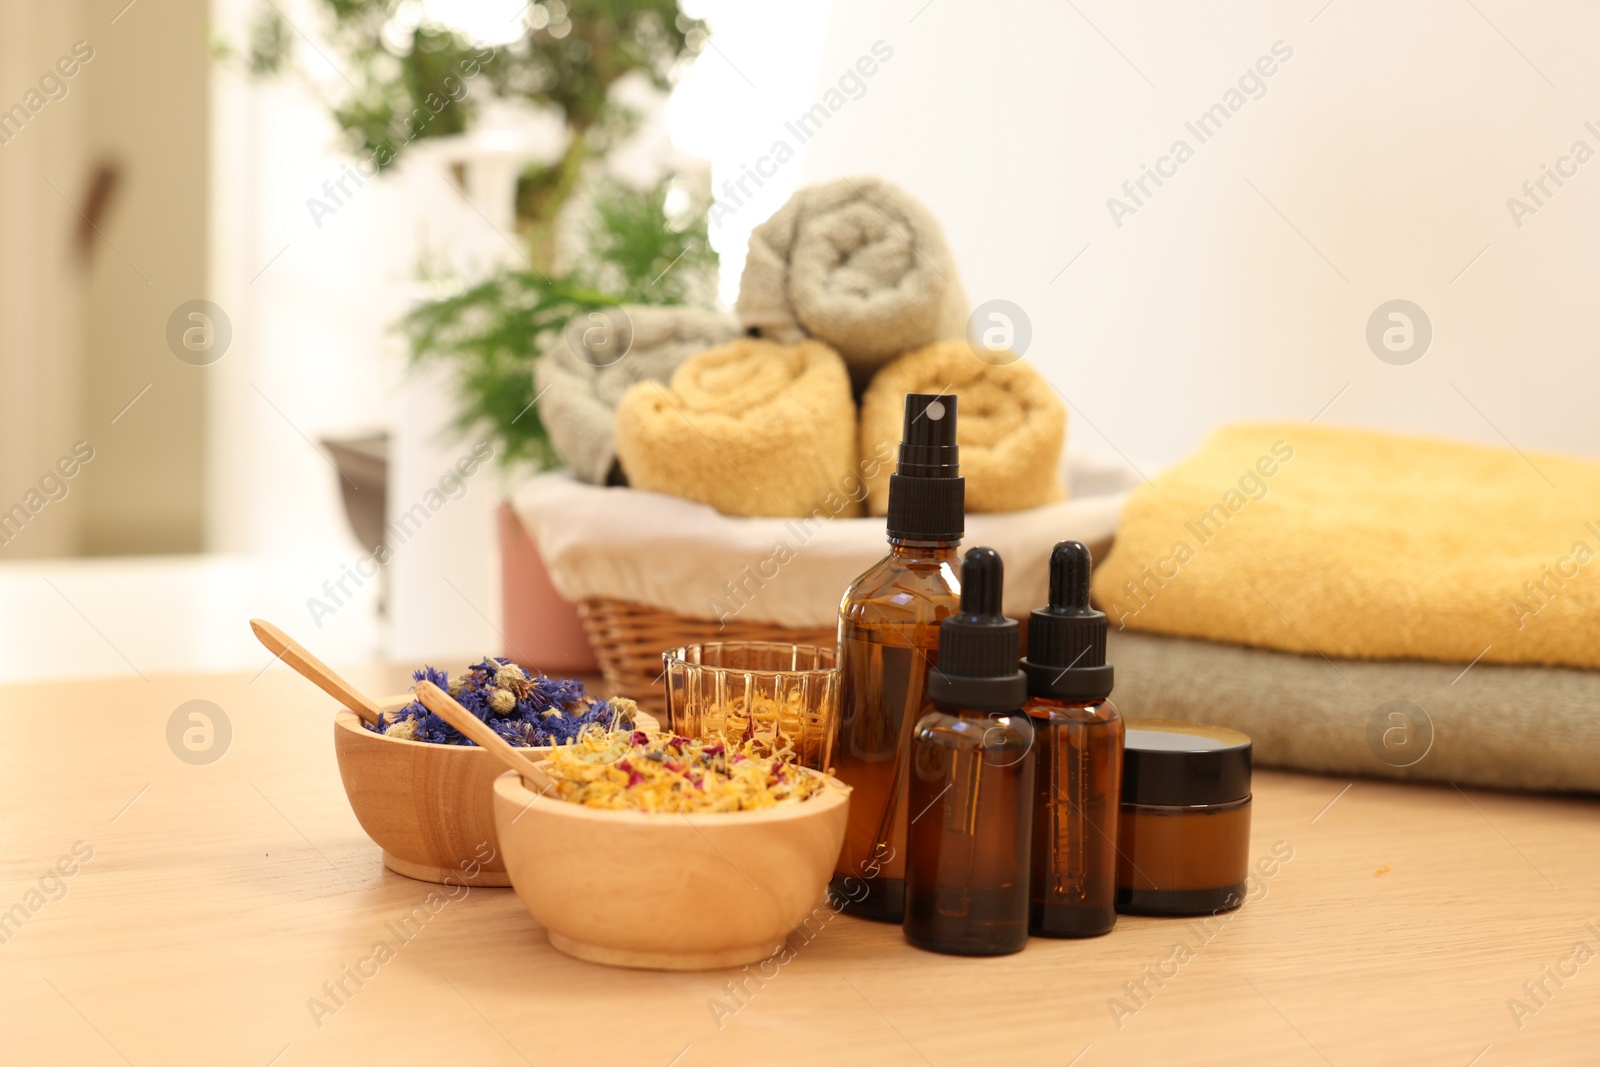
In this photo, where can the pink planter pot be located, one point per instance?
(543, 630)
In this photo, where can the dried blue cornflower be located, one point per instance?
(527, 710)
(430, 674)
(519, 733)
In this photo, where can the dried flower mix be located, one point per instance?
(774, 724)
(528, 711)
(666, 773)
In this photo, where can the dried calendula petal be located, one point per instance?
(771, 725)
(625, 712)
(662, 772)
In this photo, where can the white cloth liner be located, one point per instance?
(684, 557)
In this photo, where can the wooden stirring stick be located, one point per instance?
(450, 710)
(295, 655)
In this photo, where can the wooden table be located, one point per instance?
(221, 898)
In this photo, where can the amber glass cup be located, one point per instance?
(783, 696)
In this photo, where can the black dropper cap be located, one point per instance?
(1067, 639)
(978, 645)
(927, 495)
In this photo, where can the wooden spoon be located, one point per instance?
(469, 725)
(295, 655)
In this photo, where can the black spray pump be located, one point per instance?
(1067, 639)
(978, 645)
(927, 495)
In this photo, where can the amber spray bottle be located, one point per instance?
(971, 787)
(888, 641)
(1079, 772)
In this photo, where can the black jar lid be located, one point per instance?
(1165, 761)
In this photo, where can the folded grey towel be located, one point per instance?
(1504, 727)
(856, 263)
(581, 378)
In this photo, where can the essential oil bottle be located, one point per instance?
(971, 788)
(1078, 779)
(888, 641)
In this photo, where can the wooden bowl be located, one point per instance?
(724, 888)
(429, 807)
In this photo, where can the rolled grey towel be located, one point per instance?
(582, 376)
(856, 263)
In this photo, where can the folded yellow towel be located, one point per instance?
(751, 427)
(1011, 425)
(1358, 544)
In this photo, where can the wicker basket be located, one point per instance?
(629, 639)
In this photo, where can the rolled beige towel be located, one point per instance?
(751, 427)
(856, 263)
(583, 376)
(1011, 424)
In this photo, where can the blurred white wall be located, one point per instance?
(1375, 165)
(310, 306)
(758, 71)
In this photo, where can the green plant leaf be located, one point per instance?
(492, 333)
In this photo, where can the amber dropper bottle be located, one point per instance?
(971, 788)
(1079, 773)
(888, 640)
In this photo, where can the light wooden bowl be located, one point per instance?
(429, 807)
(724, 888)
